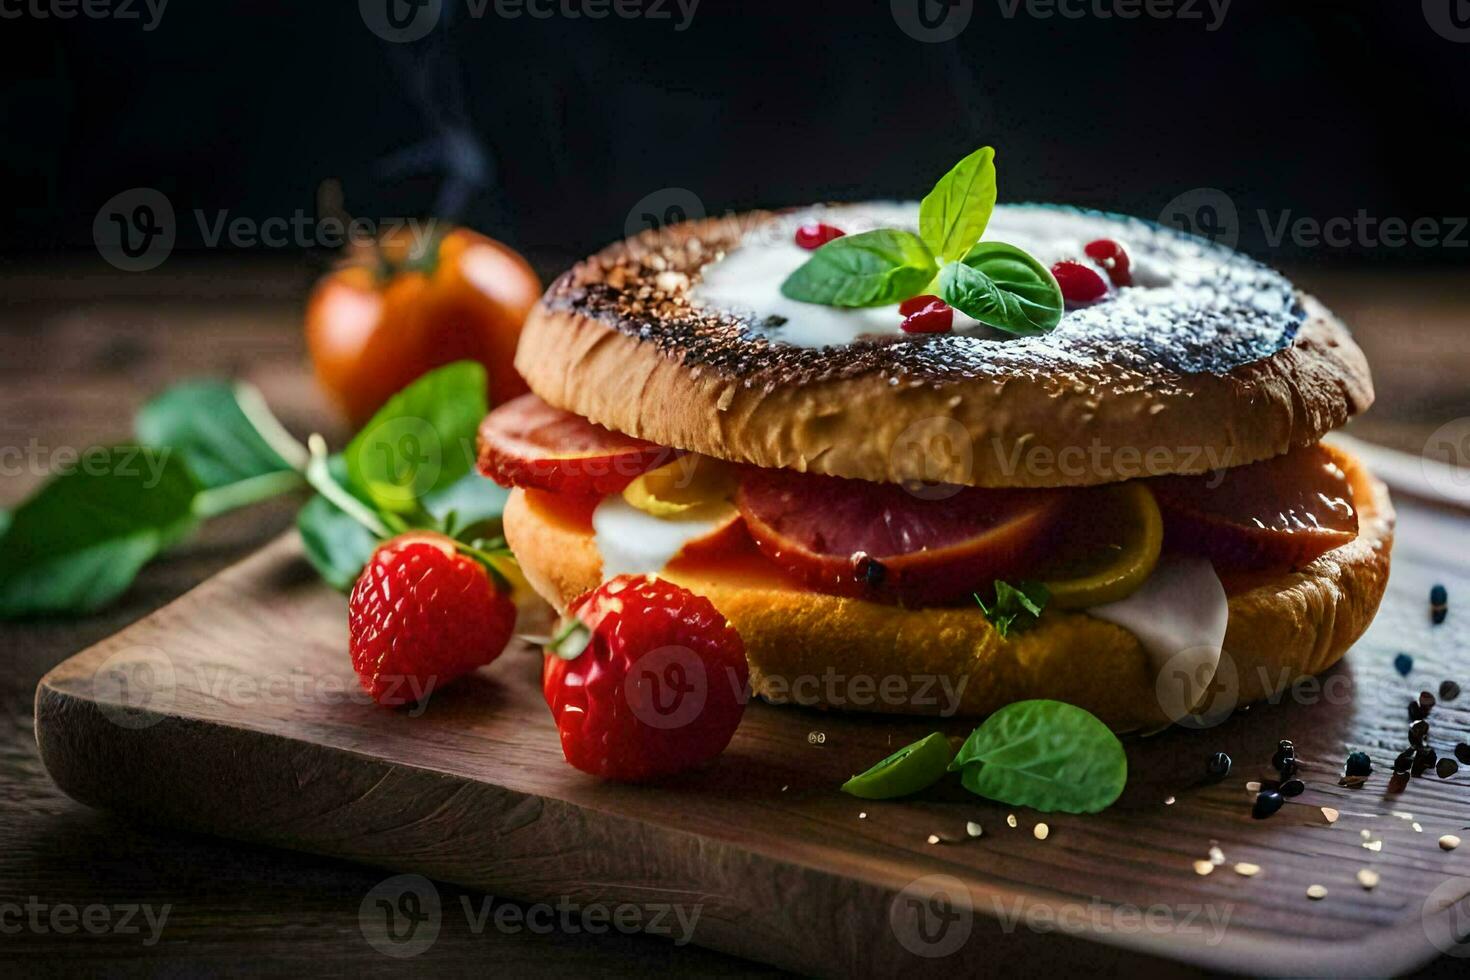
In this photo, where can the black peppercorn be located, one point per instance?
(1439, 604)
(1293, 787)
(1426, 702)
(1462, 752)
(1424, 759)
(1285, 753)
(1405, 761)
(1446, 768)
(1416, 711)
(1397, 782)
(1448, 690)
(1219, 766)
(1358, 764)
(1267, 803)
(1418, 732)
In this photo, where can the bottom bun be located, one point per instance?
(820, 650)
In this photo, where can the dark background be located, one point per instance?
(549, 130)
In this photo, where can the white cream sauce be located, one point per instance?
(748, 279)
(632, 542)
(1179, 614)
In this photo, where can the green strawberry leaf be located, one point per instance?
(204, 421)
(421, 441)
(79, 542)
(1002, 286)
(1044, 754)
(872, 268)
(953, 216)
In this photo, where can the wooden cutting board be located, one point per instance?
(233, 711)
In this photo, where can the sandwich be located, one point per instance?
(1060, 454)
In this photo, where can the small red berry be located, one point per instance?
(1080, 284)
(421, 615)
(660, 686)
(1111, 256)
(926, 314)
(817, 235)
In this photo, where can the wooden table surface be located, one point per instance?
(80, 349)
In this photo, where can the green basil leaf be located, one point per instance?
(335, 543)
(79, 543)
(872, 268)
(476, 503)
(1016, 607)
(338, 546)
(953, 216)
(1002, 286)
(422, 440)
(1044, 754)
(203, 420)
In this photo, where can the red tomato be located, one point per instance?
(386, 317)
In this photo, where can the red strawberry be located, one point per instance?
(659, 687)
(421, 615)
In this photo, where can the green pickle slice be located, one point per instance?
(910, 769)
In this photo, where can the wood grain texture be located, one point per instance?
(250, 729)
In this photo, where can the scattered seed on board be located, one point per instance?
(1041, 831)
(1366, 834)
(1217, 856)
(1168, 801)
(1449, 842)
(1446, 767)
(1448, 690)
(974, 829)
(1316, 892)
(1373, 845)
(1010, 820)
(934, 838)
(1247, 870)
(863, 815)
(1368, 878)
(1462, 752)
(1403, 663)
(1203, 868)
(1253, 787)
(1330, 814)
(1417, 829)
(1439, 603)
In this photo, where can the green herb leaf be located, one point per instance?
(909, 770)
(204, 421)
(872, 268)
(953, 216)
(1002, 286)
(79, 543)
(1017, 607)
(572, 640)
(338, 546)
(1044, 754)
(422, 440)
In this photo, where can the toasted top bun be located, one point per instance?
(681, 336)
